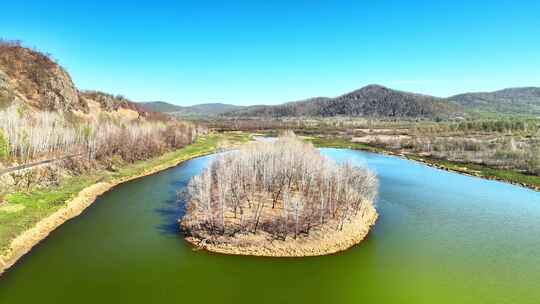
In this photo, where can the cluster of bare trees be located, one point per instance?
(508, 152)
(283, 188)
(500, 125)
(43, 135)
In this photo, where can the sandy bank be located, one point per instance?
(322, 242)
(31, 237)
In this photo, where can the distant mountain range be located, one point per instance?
(206, 109)
(32, 78)
(508, 101)
(372, 101)
(376, 101)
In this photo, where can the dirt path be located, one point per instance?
(40, 163)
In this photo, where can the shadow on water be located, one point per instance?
(169, 216)
(173, 208)
(179, 184)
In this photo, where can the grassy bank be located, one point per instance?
(341, 143)
(24, 209)
(510, 176)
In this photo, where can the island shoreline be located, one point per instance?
(353, 233)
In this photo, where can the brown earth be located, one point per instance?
(323, 241)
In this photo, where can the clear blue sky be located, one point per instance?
(252, 52)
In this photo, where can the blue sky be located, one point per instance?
(253, 52)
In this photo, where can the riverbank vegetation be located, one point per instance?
(32, 135)
(56, 140)
(505, 148)
(276, 191)
(50, 130)
(38, 203)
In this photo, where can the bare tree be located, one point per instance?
(303, 187)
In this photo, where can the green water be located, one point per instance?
(441, 238)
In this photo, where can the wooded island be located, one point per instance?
(279, 198)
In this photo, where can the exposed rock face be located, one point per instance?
(3, 80)
(32, 78)
(36, 78)
(119, 104)
(6, 92)
(107, 102)
(60, 92)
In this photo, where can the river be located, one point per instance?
(441, 238)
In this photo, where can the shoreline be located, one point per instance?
(455, 167)
(24, 242)
(462, 168)
(352, 234)
(465, 171)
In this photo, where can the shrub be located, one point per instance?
(534, 160)
(4, 146)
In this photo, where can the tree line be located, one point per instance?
(27, 136)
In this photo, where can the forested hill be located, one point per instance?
(160, 106)
(205, 109)
(372, 100)
(376, 100)
(524, 100)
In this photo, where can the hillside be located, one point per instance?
(60, 147)
(372, 100)
(205, 109)
(44, 116)
(160, 106)
(32, 79)
(307, 107)
(379, 101)
(524, 100)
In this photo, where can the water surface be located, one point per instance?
(441, 238)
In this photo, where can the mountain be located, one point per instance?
(379, 101)
(524, 100)
(372, 100)
(31, 80)
(206, 109)
(161, 106)
(307, 107)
